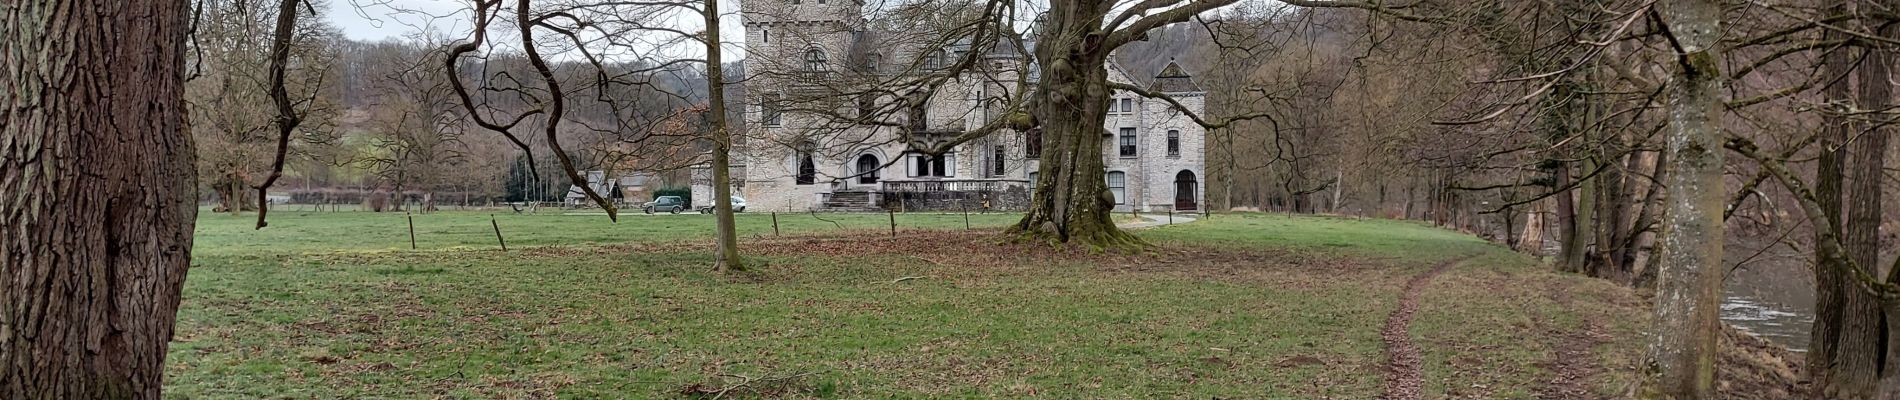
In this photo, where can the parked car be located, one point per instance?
(738, 205)
(672, 204)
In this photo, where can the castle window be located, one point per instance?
(1032, 143)
(867, 105)
(815, 60)
(997, 164)
(765, 36)
(1118, 184)
(1128, 142)
(807, 168)
(769, 108)
(1128, 105)
(867, 169)
(923, 165)
(1174, 143)
(871, 61)
(934, 60)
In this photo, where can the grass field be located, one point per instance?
(1237, 306)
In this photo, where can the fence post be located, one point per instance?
(412, 230)
(893, 215)
(966, 217)
(1170, 215)
(504, 242)
(775, 223)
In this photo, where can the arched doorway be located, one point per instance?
(1185, 191)
(867, 169)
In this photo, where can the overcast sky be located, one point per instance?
(373, 20)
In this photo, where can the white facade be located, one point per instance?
(791, 44)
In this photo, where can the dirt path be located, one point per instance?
(1404, 373)
(1573, 366)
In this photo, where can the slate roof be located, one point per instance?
(1173, 80)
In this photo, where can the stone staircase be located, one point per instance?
(849, 201)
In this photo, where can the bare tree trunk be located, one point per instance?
(1579, 251)
(101, 195)
(1645, 240)
(1864, 212)
(727, 258)
(1569, 237)
(1829, 290)
(1689, 269)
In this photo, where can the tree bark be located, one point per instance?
(1569, 237)
(727, 258)
(100, 184)
(1829, 292)
(1072, 202)
(1644, 239)
(1864, 212)
(1689, 269)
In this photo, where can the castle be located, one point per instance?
(817, 136)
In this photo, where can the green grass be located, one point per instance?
(315, 231)
(333, 305)
(1407, 241)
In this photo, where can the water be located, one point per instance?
(1785, 325)
(1773, 298)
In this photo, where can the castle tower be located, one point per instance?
(791, 40)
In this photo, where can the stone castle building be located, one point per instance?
(829, 95)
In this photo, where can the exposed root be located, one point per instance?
(1108, 240)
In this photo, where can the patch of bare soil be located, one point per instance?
(1404, 374)
(1752, 368)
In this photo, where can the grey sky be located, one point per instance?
(372, 20)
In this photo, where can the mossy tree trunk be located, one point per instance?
(99, 197)
(1689, 266)
(1071, 201)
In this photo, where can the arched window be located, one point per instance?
(807, 169)
(1118, 184)
(867, 169)
(815, 60)
(1185, 191)
(1174, 144)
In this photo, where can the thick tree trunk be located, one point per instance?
(100, 200)
(1689, 268)
(1829, 292)
(1864, 212)
(1072, 202)
(727, 258)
